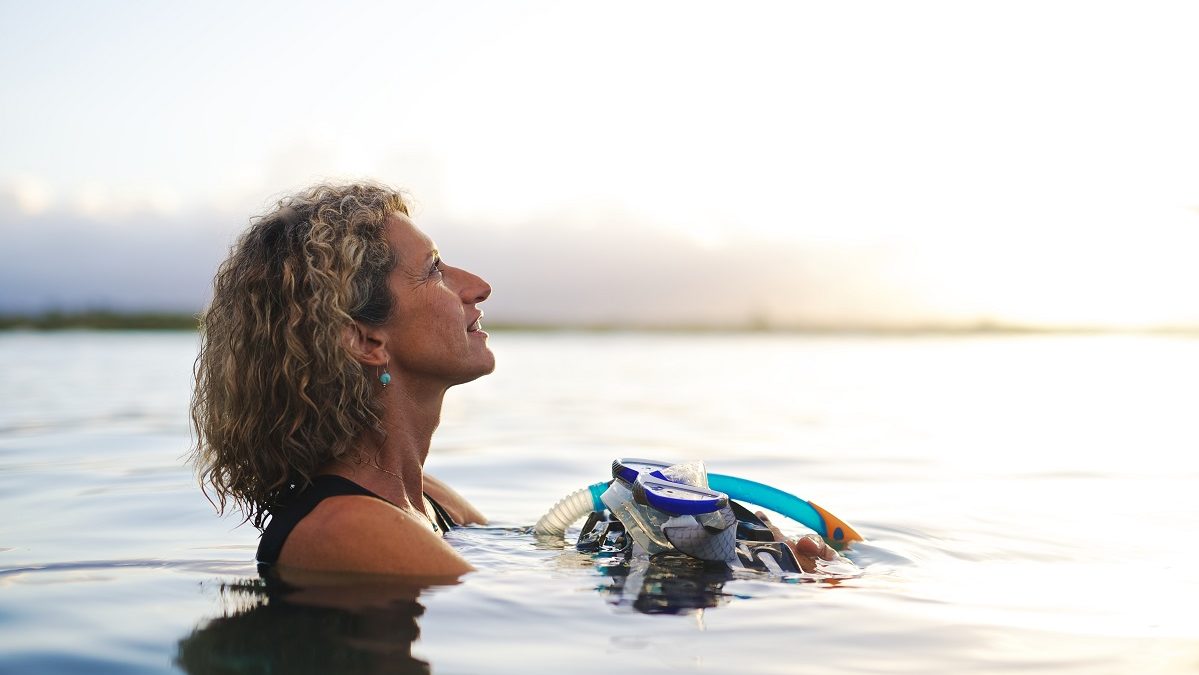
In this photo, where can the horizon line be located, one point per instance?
(54, 320)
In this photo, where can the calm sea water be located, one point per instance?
(1030, 503)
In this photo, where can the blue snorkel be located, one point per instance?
(641, 488)
(836, 532)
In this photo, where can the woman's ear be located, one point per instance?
(366, 344)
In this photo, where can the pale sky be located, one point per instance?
(867, 162)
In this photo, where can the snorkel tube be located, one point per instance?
(571, 508)
(836, 532)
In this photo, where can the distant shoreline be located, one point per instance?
(105, 320)
(99, 320)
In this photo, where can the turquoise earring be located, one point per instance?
(385, 378)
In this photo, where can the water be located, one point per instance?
(1029, 503)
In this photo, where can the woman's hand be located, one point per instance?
(807, 549)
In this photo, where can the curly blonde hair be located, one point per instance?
(278, 393)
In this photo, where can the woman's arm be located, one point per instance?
(455, 504)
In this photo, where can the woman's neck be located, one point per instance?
(391, 463)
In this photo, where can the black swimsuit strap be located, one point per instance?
(298, 507)
(441, 517)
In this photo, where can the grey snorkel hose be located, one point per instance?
(571, 508)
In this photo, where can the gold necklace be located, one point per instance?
(432, 523)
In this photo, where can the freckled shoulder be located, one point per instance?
(355, 533)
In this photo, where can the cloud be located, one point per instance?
(610, 269)
(143, 261)
(599, 264)
(28, 195)
(614, 268)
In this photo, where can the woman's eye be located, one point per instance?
(436, 269)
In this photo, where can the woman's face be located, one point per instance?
(435, 330)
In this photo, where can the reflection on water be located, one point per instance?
(307, 622)
(671, 582)
(336, 626)
(665, 585)
(676, 584)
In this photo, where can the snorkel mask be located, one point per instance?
(652, 507)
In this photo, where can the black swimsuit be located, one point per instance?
(284, 520)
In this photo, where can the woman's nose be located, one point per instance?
(473, 289)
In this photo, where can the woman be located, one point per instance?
(335, 330)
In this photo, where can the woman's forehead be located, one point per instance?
(411, 245)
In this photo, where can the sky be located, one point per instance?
(640, 162)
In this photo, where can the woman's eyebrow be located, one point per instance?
(424, 262)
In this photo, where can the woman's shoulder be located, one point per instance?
(358, 533)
